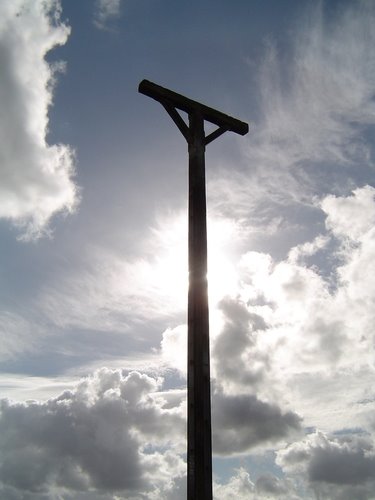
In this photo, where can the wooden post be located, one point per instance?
(199, 448)
(199, 455)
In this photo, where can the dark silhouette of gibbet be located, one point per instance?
(199, 449)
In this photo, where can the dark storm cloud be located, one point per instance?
(242, 422)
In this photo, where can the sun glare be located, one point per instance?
(169, 272)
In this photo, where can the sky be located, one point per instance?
(93, 245)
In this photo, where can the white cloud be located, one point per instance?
(106, 11)
(17, 387)
(36, 177)
(174, 348)
(241, 487)
(352, 216)
(307, 249)
(238, 486)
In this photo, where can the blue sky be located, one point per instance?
(94, 248)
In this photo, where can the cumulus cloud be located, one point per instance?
(243, 422)
(174, 348)
(319, 339)
(106, 11)
(106, 435)
(352, 216)
(240, 486)
(293, 334)
(236, 341)
(36, 177)
(269, 486)
(285, 333)
(336, 467)
(120, 433)
(303, 313)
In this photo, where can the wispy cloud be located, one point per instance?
(105, 12)
(36, 177)
(315, 104)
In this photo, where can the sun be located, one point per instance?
(169, 269)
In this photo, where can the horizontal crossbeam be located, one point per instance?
(169, 98)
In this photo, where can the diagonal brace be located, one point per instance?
(214, 135)
(176, 117)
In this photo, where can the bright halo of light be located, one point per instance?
(168, 273)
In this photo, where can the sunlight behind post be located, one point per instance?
(169, 270)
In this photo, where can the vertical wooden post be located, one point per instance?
(199, 452)
(199, 394)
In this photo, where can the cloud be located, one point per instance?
(17, 334)
(237, 341)
(315, 112)
(242, 422)
(36, 177)
(106, 11)
(109, 291)
(173, 348)
(117, 432)
(103, 436)
(352, 216)
(240, 486)
(304, 314)
(340, 467)
(291, 330)
(269, 486)
(318, 338)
